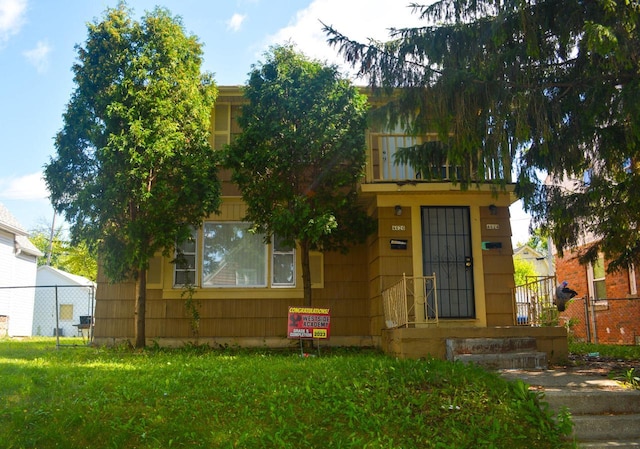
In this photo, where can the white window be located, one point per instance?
(283, 264)
(185, 262)
(233, 256)
(599, 287)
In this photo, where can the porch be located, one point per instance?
(414, 329)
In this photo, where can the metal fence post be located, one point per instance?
(57, 315)
(595, 321)
(587, 321)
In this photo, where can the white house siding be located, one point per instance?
(71, 290)
(17, 271)
(6, 272)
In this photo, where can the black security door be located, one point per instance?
(446, 250)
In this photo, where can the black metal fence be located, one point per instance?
(48, 311)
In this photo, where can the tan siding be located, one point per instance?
(498, 267)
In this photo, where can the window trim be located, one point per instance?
(592, 279)
(274, 253)
(176, 269)
(231, 286)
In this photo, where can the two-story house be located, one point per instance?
(424, 230)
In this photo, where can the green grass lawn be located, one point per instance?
(202, 398)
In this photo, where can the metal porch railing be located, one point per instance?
(534, 302)
(410, 301)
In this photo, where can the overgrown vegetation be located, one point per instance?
(614, 351)
(202, 398)
(629, 376)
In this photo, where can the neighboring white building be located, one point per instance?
(75, 298)
(540, 262)
(18, 264)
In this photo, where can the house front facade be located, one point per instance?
(243, 288)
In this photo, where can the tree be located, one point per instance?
(539, 241)
(300, 155)
(524, 271)
(77, 259)
(554, 83)
(134, 169)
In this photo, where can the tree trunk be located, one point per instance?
(140, 309)
(306, 273)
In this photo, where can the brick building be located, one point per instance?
(607, 302)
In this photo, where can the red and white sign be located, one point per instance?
(308, 322)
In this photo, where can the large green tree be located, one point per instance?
(551, 84)
(134, 168)
(300, 155)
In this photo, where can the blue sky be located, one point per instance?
(37, 40)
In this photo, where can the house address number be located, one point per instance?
(398, 228)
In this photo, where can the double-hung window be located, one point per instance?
(283, 264)
(185, 262)
(596, 275)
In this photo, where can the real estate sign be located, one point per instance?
(308, 322)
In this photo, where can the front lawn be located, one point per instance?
(202, 398)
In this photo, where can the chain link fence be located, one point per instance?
(48, 311)
(605, 321)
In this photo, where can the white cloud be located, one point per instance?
(235, 22)
(39, 56)
(12, 14)
(357, 19)
(27, 187)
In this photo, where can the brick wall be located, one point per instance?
(617, 320)
(569, 269)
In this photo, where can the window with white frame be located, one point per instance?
(233, 256)
(185, 261)
(283, 264)
(598, 272)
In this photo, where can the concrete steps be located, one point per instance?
(602, 418)
(497, 353)
(605, 413)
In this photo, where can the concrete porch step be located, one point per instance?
(490, 345)
(497, 353)
(511, 360)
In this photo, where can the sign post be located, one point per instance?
(308, 323)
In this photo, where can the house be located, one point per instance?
(607, 308)
(62, 300)
(426, 230)
(539, 261)
(18, 263)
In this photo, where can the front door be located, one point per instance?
(446, 249)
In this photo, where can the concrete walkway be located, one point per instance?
(605, 413)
